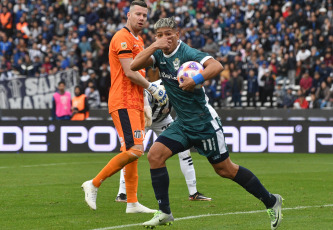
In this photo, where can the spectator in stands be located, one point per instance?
(22, 26)
(282, 72)
(198, 40)
(306, 83)
(84, 46)
(6, 45)
(323, 94)
(329, 81)
(261, 71)
(94, 99)
(268, 90)
(330, 101)
(300, 102)
(80, 106)
(288, 100)
(210, 47)
(104, 82)
(303, 54)
(210, 90)
(314, 103)
(27, 67)
(61, 109)
(252, 89)
(236, 88)
(291, 66)
(225, 48)
(316, 81)
(93, 77)
(225, 88)
(6, 20)
(279, 93)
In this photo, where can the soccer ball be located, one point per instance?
(189, 69)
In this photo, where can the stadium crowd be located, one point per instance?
(269, 49)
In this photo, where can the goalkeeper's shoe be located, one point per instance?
(138, 208)
(90, 192)
(160, 218)
(275, 212)
(121, 198)
(199, 197)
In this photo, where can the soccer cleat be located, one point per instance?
(275, 212)
(138, 208)
(90, 192)
(160, 218)
(121, 198)
(199, 197)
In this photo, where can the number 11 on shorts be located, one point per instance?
(210, 143)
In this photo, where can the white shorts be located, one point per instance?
(159, 127)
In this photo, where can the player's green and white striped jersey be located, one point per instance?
(159, 113)
(191, 107)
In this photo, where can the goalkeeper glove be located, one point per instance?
(158, 93)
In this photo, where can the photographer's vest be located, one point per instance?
(78, 102)
(20, 26)
(4, 19)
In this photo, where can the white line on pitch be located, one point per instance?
(51, 164)
(218, 214)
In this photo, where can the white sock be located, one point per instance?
(186, 165)
(122, 187)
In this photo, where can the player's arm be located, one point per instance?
(144, 59)
(137, 78)
(147, 110)
(212, 69)
(134, 76)
(153, 74)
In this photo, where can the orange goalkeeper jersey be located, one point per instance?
(123, 93)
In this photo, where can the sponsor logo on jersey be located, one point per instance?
(176, 63)
(168, 76)
(123, 45)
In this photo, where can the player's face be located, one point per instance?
(137, 17)
(170, 34)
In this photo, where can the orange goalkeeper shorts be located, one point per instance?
(130, 125)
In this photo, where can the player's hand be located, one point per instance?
(158, 93)
(148, 116)
(163, 43)
(188, 83)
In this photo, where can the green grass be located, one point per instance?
(42, 191)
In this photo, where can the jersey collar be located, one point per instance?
(137, 38)
(170, 55)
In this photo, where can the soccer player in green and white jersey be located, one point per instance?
(197, 124)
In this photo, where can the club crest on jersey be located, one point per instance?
(137, 134)
(123, 45)
(176, 63)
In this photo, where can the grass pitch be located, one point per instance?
(42, 191)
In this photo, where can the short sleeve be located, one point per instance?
(122, 46)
